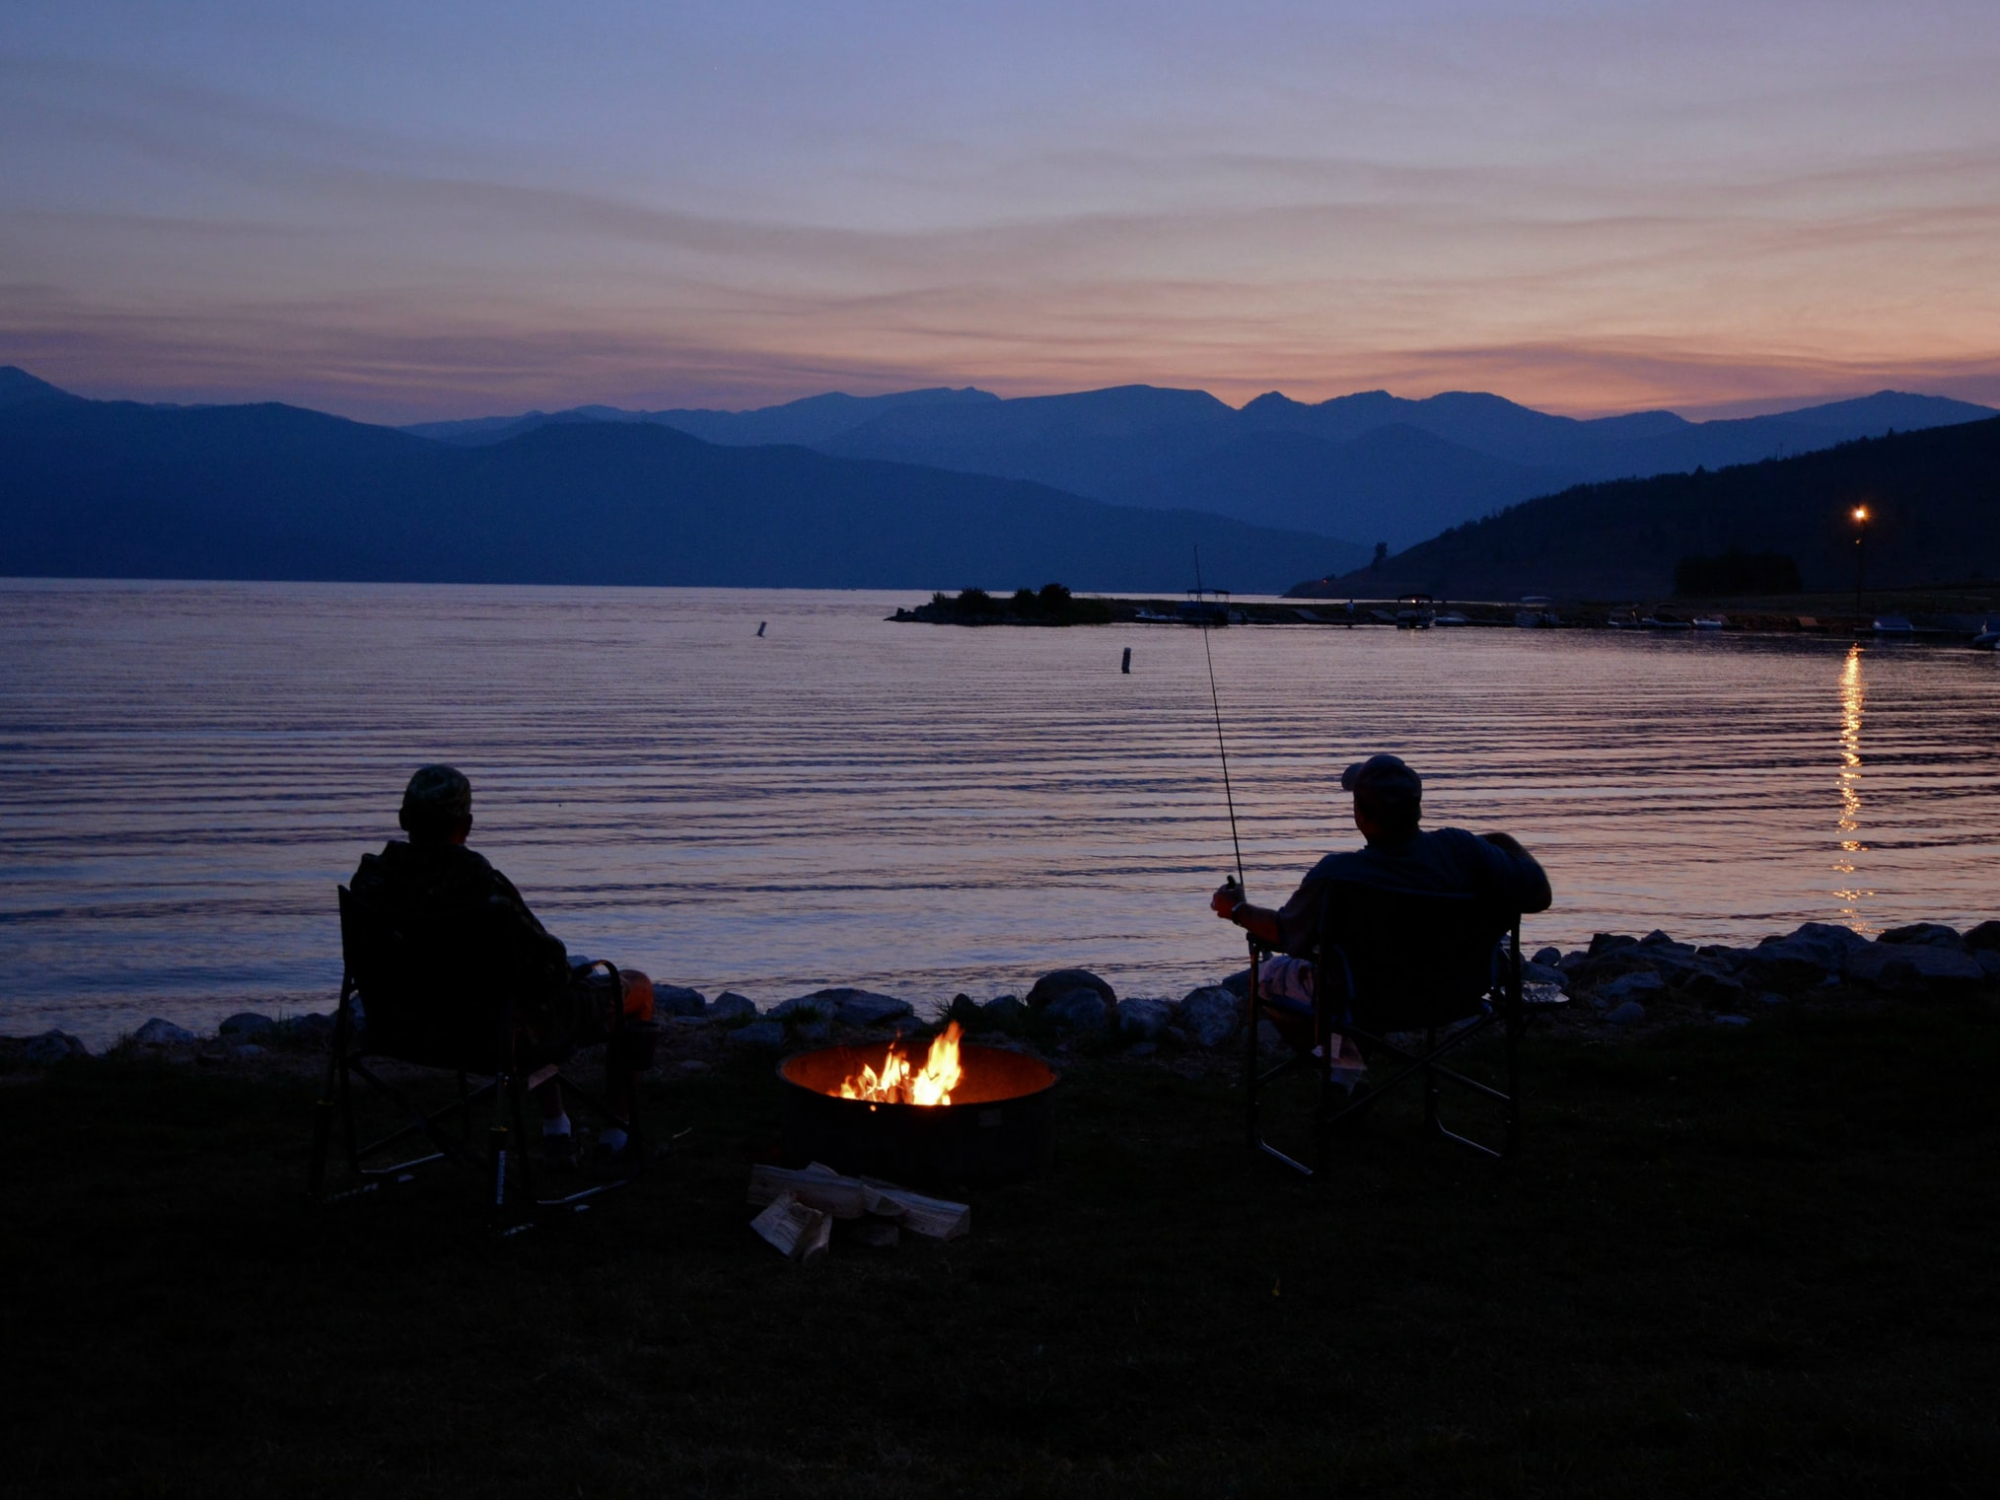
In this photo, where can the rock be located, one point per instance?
(1270, 1040)
(1985, 936)
(1080, 1010)
(1988, 959)
(1571, 959)
(1924, 934)
(850, 1007)
(1005, 1012)
(1656, 938)
(730, 1006)
(247, 1025)
(1238, 984)
(1840, 939)
(312, 1025)
(1791, 964)
(1905, 965)
(863, 1008)
(1540, 973)
(1144, 1019)
(1642, 985)
(1210, 1015)
(1721, 955)
(965, 1010)
(158, 1033)
(1732, 1020)
(1053, 986)
(759, 1036)
(50, 1048)
(1542, 994)
(1548, 957)
(245, 1052)
(1627, 1013)
(678, 1000)
(1602, 943)
(1713, 988)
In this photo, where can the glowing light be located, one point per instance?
(1860, 512)
(1853, 699)
(897, 1083)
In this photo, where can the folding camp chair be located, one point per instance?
(1392, 963)
(448, 1002)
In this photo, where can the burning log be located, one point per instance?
(801, 1232)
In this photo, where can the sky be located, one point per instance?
(405, 212)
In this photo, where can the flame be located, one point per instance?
(897, 1083)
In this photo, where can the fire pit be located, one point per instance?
(970, 1114)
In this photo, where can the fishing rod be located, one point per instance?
(1215, 702)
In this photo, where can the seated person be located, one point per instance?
(434, 883)
(1399, 856)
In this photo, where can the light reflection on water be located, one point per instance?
(187, 770)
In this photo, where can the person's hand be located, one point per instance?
(1228, 896)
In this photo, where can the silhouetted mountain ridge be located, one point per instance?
(1933, 500)
(115, 489)
(1157, 446)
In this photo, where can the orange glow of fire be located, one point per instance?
(898, 1083)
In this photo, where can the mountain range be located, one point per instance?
(117, 489)
(1370, 467)
(1932, 498)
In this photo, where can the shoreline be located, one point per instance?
(1616, 986)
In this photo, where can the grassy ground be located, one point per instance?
(1750, 1261)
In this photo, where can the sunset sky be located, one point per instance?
(405, 211)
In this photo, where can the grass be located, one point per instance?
(1752, 1261)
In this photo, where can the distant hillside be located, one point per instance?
(1371, 466)
(1933, 500)
(815, 419)
(112, 489)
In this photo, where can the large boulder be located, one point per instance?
(247, 1026)
(1641, 985)
(159, 1033)
(1143, 1019)
(1893, 966)
(1541, 973)
(1060, 982)
(730, 1006)
(850, 1007)
(50, 1048)
(1210, 1015)
(1985, 936)
(678, 1000)
(1924, 934)
(1792, 964)
(1081, 1010)
(1004, 1013)
(759, 1036)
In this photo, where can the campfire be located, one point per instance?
(897, 1083)
(967, 1114)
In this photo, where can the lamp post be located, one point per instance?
(1860, 532)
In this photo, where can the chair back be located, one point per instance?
(1407, 960)
(437, 996)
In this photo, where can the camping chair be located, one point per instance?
(1393, 963)
(448, 1002)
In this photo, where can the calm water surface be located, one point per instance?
(187, 770)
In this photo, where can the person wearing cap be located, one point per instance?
(434, 882)
(1399, 856)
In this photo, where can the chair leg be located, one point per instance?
(496, 1140)
(1431, 1087)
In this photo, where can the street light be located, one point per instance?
(1860, 531)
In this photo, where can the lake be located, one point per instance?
(188, 770)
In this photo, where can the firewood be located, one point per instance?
(935, 1218)
(792, 1227)
(843, 1197)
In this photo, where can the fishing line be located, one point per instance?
(1215, 701)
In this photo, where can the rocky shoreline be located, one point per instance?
(1617, 986)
